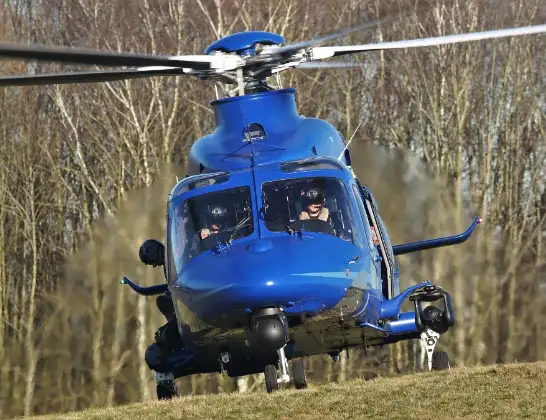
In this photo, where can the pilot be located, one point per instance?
(218, 217)
(314, 206)
(375, 238)
(212, 230)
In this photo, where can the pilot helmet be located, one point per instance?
(218, 215)
(313, 195)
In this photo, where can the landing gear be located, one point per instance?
(298, 372)
(167, 340)
(166, 386)
(272, 382)
(440, 361)
(285, 377)
(436, 361)
(432, 322)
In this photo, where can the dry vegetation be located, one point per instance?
(83, 183)
(507, 392)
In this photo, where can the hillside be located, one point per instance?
(507, 392)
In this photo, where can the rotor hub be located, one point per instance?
(244, 43)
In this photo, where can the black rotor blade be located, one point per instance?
(86, 77)
(102, 58)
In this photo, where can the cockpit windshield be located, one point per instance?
(313, 204)
(201, 223)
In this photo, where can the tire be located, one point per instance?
(167, 390)
(271, 383)
(440, 361)
(298, 374)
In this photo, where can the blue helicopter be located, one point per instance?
(274, 249)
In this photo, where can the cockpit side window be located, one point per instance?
(200, 223)
(368, 224)
(314, 204)
(383, 241)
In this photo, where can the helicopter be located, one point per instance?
(274, 250)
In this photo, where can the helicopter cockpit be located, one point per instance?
(210, 212)
(313, 204)
(198, 224)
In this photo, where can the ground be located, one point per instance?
(516, 391)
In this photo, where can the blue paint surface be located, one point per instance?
(222, 288)
(289, 136)
(244, 41)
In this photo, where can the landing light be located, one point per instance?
(269, 283)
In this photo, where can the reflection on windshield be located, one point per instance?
(200, 223)
(311, 204)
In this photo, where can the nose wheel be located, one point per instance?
(298, 373)
(272, 381)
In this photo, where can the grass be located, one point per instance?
(516, 391)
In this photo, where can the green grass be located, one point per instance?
(516, 391)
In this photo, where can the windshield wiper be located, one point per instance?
(236, 228)
(220, 244)
(270, 218)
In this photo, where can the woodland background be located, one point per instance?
(447, 133)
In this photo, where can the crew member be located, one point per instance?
(314, 207)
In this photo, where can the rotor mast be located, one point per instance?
(242, 81)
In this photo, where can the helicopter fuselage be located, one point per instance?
(318, 280)
(274, 245)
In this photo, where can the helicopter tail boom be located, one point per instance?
(437, 242)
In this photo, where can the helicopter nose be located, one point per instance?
(241, 294)
(269, 274)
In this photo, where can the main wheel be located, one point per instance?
(440, 361)
(271, 383)
(167, 390)
(298, 374)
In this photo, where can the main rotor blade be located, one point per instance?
(110, 58)
(293, 48)
(326, 52)
(89, 77)
(329, 65)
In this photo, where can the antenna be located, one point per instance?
(251, 141)
(349, 142)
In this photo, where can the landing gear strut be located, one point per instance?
(166, 339)
(272, 382)
(432, 322)
(436, 361)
